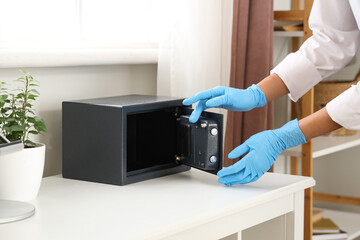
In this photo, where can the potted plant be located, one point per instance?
(21, 172)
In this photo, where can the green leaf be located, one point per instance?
(4, 110)
(34, 91)
(20, 114)
(23, 71)
(39, 119)
(20, 95)
(34, 132)
(41, 128)
(15, 128)
(33, 85)
(11, 123)
(10, 119)
(30, 111)
(32, 97)
(34, 81)
(40, 125)
(31, 119)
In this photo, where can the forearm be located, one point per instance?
(273, 87)
(313, 125)
(317, 124)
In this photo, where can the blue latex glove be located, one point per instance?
(262, 150)
(225, 97)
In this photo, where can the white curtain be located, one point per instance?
(195, 49)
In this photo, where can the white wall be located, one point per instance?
(336, 173)
(71, 83)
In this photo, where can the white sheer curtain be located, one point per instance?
(196, 47)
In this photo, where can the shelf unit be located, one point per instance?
(325, 145)
(296, 14)
(348, 222)
(321, 146)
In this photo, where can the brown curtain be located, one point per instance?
(251, 61)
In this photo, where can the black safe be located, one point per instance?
(126, 139)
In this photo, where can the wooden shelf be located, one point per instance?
(292, 15)
(347, 221)
(325, 145)
(288, 33)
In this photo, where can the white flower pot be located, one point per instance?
(21, 173)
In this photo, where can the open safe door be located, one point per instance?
(199, 144)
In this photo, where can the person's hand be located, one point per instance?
(225, 97)
(262, 150)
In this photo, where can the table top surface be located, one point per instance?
(71, 209)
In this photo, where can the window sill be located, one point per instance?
(13, 58)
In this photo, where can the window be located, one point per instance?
(65, 23)
(80, 24)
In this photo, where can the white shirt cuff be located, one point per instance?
(298, 74)
(344, 109)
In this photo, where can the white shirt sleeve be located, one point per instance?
(335, 40)
(345, 108)
(334, 43)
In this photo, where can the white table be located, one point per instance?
(189, 205)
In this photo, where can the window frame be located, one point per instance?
(75, 53)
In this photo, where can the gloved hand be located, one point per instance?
(225, 97)
(262, 150)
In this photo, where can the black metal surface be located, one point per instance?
(196, 144)
(125, 139)
(151, 139)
